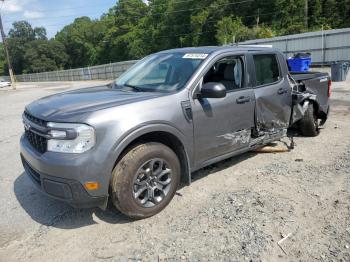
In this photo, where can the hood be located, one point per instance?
(73, 105)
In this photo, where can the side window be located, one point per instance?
(267, 69)
(229, 71)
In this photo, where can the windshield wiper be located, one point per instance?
(138, 89)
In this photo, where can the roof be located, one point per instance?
(212, 49)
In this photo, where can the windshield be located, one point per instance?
(161, 72)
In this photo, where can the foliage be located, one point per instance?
(80, 40)
(231, 30)
(20, 35)
(132, 29)
(2, 58)
(123, 32)
(41, 56)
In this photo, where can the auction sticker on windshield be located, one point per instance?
(195, 56)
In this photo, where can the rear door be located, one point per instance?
(273, 94)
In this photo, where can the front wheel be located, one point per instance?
(309, 123)
(145, 180)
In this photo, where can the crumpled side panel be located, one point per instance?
(272, 113)
(301, 102)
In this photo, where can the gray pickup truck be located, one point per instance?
(172, 113)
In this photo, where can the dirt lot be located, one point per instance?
(235, 210)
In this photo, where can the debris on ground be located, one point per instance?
(279, 243)
(273, 148)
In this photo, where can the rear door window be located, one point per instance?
(266, 69)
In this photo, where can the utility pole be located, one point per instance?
(7, 53)
(306, 14)
(258, 18)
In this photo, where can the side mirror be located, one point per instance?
(213, 90)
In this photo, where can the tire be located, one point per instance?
(138, 169)
(309, 123)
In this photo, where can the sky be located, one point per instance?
(51, 14)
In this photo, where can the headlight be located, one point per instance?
(70, 138)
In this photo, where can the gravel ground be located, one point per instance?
(236, 210)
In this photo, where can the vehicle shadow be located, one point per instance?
(219, 166)
(54, 213)
(51, 212)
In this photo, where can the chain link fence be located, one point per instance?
(100, 72)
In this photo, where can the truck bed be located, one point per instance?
(303, 76)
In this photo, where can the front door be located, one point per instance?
(223, 125)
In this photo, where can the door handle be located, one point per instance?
(243, 100)
(282, 91)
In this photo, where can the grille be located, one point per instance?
(35, 119)
(37, 141)
(31, 172)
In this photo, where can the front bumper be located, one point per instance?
(62, 180)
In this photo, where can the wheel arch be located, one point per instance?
(164, 134)
(313, 101)
(317, 109)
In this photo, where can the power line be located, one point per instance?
(77, 7)
(198, 8)
(200, 33)
(176, 25)
(62, 9)
(139, 16)
(55, 17)
(183, 25)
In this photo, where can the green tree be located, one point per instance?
(343, 11)
(22, 30)
(124, 32)
(40, 33)
(43, 55)
(291, 16)
(81, 39)
(263, 31)
(19, 35)
(3, 68)
(132, 29)
(231, 29)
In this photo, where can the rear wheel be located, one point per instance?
(309, 124)
(145, 180)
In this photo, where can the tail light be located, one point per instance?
(329, 88)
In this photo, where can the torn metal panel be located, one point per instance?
(314, 83)
(268, 137)
(299, 111)
(301, 102)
